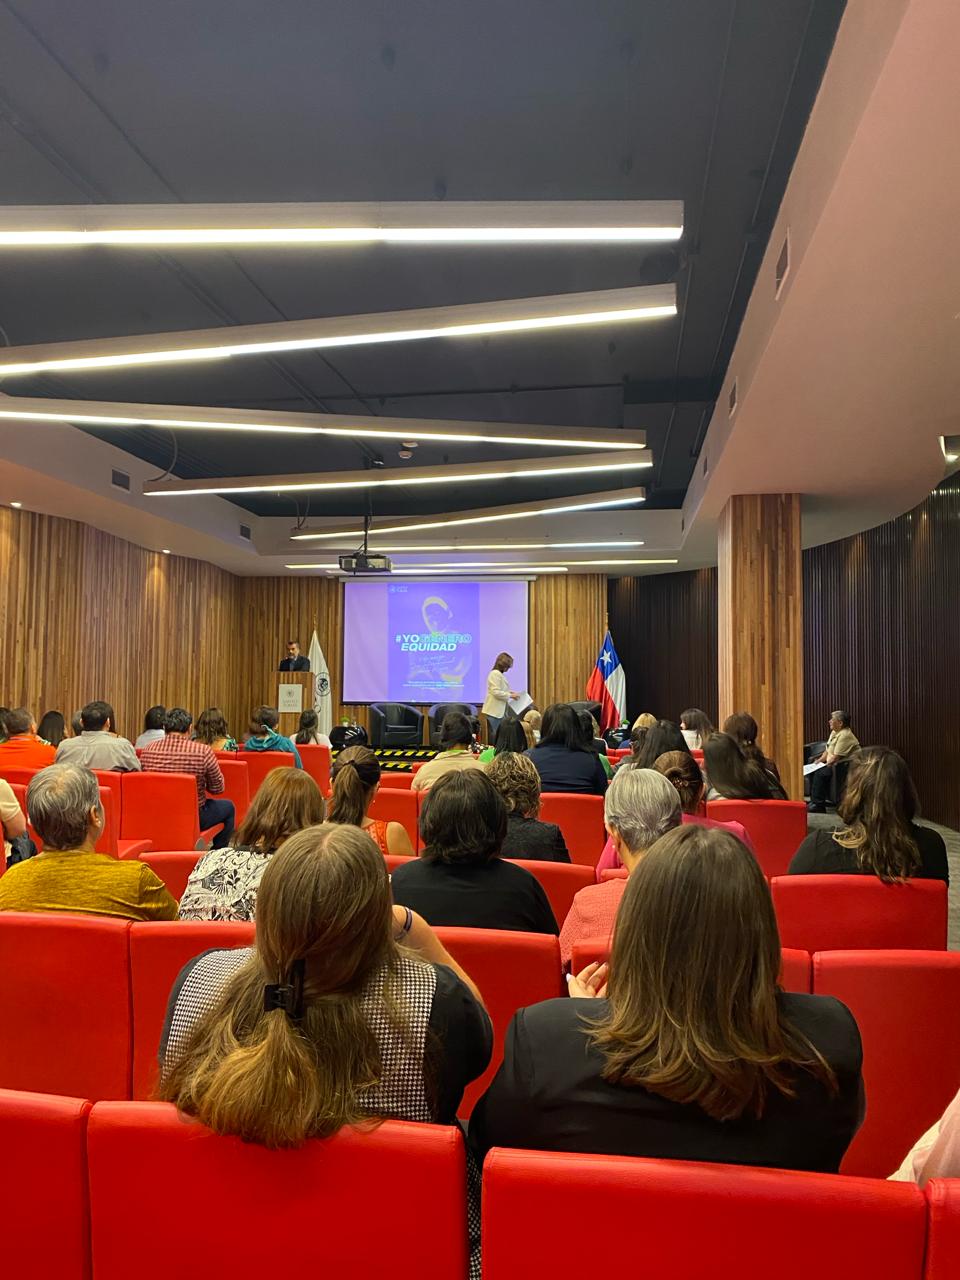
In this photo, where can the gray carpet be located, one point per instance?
(951, 838)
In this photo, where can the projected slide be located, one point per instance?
(430, 641)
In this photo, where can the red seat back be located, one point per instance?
(855, 913)
(158, 951)
(943, 1229)
(560, 881)
(795, 966)
(161, 807)
(14, 773)
(173, 868)
(236, 783)
(45, 1228)
(777, 828)
(307, 1208)
(316, 761)
(20, 795)
(259, 764)
(580, 818)
(512, 970)
(398, 806)
(396, 779)
(65, 1004)
(109, 841)
(905, 1004)
(693, 1221)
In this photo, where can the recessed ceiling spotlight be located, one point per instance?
(165, 551)
(409, 444)
(405, 453)
(16, 504)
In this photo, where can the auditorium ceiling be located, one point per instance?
(703, 101)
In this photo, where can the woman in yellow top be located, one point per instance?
(456, 742)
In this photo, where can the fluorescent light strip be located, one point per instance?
(499, 564)
(254, 236)
(426, 572)
(445, 523)
(429, 549)
(372, 480)
(478, 329)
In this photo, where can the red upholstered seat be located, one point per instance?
(512, 970)
(13, 773)
(396, 779)
(906, 1005)
(65, 1004)
(20, 795)
(236, 782)
(158, 951)
(160, 807)
(560, 881)
(686, 1221)
(795, 966)
(580, 818)
(316, 761)
(943, 1229)
(111, 797)
(173, 868)
(852, 913)
(337, 1208)
(259, 764)
(398, 806)
(776, 827)
(45, 1220)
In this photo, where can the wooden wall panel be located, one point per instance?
(760, 623)
(665, 630)
(567, 624)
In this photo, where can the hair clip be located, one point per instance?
(287, 996)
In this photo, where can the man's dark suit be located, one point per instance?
(295, 664)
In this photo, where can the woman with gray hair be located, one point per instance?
(640, 807)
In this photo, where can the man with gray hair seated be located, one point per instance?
(63, 805)
(640, 806)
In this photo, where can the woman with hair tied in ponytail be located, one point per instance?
(355, 779)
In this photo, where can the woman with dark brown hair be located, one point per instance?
(688, 1049)
(224, 883)
(211, 728)
(879, 836)
(325, 1022)
(742, 726)
(355, 780)
(696, 727)
(733, 775)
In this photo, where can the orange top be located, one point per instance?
(26, 751)
(377, 831)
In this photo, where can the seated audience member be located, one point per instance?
(742, 726)
(841, 745)
(562, 760)
(97, 746)
(518, 783)
(937, 1153)
(63, 804)
(593, 742)
(177, 752)
(308, 732)
(511, 736)
(22, 749)
(682, 772)
(456, 742)
(645, 720)
(533, 721)
(224, 883)
(264, 735)
(4, 712)
(326, 1022)
(733, 775)
(211, 728)
(655, 741)
(153, 729)
(688, 1049)
(639, 808)
(879, 836)
(76, 724)
(355, 780)
(459, 877)
(696, 728)
(11, 819)
(52, 728)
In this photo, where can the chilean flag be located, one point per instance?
(608, 686)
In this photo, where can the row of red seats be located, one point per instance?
(99, 1165)
(85, 1013)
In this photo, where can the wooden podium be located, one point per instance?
(302, 681)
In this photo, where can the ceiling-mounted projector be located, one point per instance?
(365, 562)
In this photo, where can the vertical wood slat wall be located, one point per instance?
(84, 615)
(760, 623)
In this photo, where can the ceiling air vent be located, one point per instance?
(120, 480)
(245, 531)
(783, 265)
(732, 399)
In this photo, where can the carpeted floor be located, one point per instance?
(952, 841)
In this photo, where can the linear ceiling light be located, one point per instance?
(105, 413)
(431, 548)
(515, 315)
(433, 568)
(332, 481)
(500, 564)
(449, 222)
(487, 515)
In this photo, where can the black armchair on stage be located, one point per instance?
(394, 724)
(439, 710)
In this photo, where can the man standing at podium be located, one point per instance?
(294, 661)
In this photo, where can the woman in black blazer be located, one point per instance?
(695, 1053)
(562, 760)
(518, 783)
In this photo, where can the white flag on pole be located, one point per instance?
(322, 700)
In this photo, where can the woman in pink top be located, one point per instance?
(937, 1153)
(639, 807)
(682, 771)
